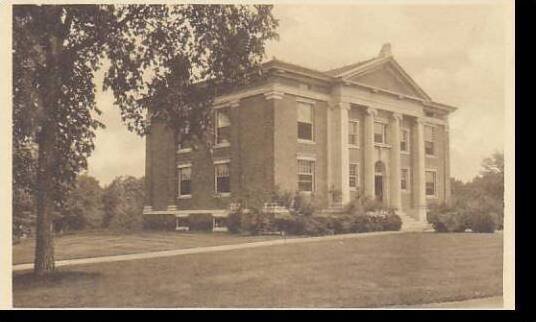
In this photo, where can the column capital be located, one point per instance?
(273, 95)
(419, 121)
(397, 116)
(340, 104)
(371, 111)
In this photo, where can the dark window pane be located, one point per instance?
(430, 189)
(224, 134)
(305, 182)
(305, 131)
(223, 185)
(429, 148)
(378, 138)
(186, 187)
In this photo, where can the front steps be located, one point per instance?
(411, 224)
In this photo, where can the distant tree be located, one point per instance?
(83, 206)
(123, 203)
(485, 192)
(158, 55)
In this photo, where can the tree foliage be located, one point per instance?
(83, 206)
(123, 203)
(485, 193)
(171, 59)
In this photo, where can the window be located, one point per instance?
(305, 121)
(429, 140)
(404, 179)
(404, 140)
(223, 127)
(354, 176)
(353, 133)
(184, 147)
(430, 183)
(380, 131)
(306, 175)
(185, 181)
(223, 184)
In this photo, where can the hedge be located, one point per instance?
(312, 225)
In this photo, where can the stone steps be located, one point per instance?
(412, 224)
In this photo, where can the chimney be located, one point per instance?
(385, 51)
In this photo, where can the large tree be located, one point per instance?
(173, 59)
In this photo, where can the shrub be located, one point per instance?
(234, 222)
(393, 222)
(483, 222)
(447, 222)
(200, 222)
(159, 222)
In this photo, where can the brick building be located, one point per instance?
(363, 127)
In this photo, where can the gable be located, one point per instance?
(388, 78)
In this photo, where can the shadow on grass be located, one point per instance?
(28, 280)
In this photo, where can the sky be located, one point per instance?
(455, 52)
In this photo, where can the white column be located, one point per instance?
(338, 155)
(368, 184)
(345, 155)
(396, 199)
(419, 181)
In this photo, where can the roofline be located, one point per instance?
(283, 66)
(429, 103)
(280, 65)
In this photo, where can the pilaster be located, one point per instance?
(396, 198)
(447, 164)
(419, 181)
(343, 109)
(368, 184)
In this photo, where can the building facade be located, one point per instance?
(364, 128)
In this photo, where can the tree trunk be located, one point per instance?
(44, 247)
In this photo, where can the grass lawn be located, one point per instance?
(376, 271)
(103, 243)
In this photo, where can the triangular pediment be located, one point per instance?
(385, 74)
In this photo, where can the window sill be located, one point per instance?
(353, 189)
(405, 152)
(222, 195)
(351, 146)
(187, 150)
(185, 197)
(306, 141)
(382, 145)
(405, 191)
(305, 192)
(222, 145)
(431, 197)
(431, 156)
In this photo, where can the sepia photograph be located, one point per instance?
(352, 155)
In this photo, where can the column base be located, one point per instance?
(421, 214)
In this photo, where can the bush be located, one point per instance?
(393, 222)
(234, 223)
(483, 222)
(159, 222)
(260, 223)
(448, 222)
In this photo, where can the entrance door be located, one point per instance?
(378, 187)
